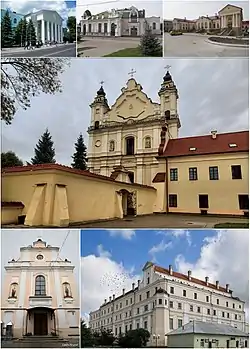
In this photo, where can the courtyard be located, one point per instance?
(172, 221)
(197, 45)
(99, 46)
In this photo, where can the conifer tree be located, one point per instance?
(31, 33)
(150, 45)
(21, 33)
(44, 150)
(6, 31)
(80, 155)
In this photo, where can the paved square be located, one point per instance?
(99, 47)
(197, 45)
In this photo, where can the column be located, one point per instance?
(52, 32)
(61, 33)
(43, 30)
(109, 27)
(48, 31)
(56, 33)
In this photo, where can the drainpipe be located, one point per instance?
(167, 208)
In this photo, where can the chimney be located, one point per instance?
(138, 283)
(189, 274)
(207, 279)
(214, 134)
(105, 301)
(123, 291)
(133, 286)
(227, 287)
(170, 269)
(110, 298)
(113, 297)
(217, 284)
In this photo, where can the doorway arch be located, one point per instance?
(112, 32)
(128, 202)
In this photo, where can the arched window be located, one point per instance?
(154, 25)
(66, 290)
(13, 290)
(111, 145)
(133, 16)
(130, 146)
(97, 124)
(40, 286)
(147, 142)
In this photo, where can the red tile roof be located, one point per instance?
(185, 277)
(12, 204)
(206, 145)
(48, 167)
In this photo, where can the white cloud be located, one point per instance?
(101, 277)
(179, 233)
(162, 246)
(102, 253)
(126, 234)
(224, 257)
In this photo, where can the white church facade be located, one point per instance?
(40, 296)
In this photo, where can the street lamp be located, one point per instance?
(156, 337)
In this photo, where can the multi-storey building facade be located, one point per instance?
(119, 22)
(165, 300)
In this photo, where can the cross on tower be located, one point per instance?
(167, 67)
(132, 73)
(101, 82)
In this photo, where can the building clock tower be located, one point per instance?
(126, 136)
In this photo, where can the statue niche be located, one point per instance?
(66, 290)
(13, 290)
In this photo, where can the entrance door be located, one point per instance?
(84, 29)
(40, 324)
(133, 31)
(203, 201)
(112, 32)
(228, 343)
(209, 344)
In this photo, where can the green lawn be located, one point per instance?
(232, 225)
(126, 52)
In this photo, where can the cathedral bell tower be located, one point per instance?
(168, 99)
(98, 108)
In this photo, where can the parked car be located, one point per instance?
(175, 33)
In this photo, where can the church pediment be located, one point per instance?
(132, 104)
(229, 9)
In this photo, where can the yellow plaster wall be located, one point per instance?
(9, 215)
(222, 193)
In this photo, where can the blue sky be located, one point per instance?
(113, 259)
(142, 242)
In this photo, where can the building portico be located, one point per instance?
(231, 18)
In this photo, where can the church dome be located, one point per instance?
(101, 92)
(167, 77)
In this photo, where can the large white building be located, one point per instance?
(48, 25)
(165, 300)
(119, 22)
(40, 296)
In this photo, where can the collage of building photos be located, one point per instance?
(124, 174)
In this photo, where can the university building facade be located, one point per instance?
(165, 300)
(40, 296)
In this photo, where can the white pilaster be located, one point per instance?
(139, 140)
(48, 30)
(61, 33)
(42, 30)
(53, 31)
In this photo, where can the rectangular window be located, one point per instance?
(207, 298)
(214, 312)
(171, 304)
(148, 294)
(226, 304)
(208, 311)
(126, 301)
(173, 174)
(120, 305)
(140, 297)
(145, 325)
(203, 201)
(165, 302)
(138, 310)
(116, 331)
(160, 301)
(126, 328)
(243, 202)
(137, 325)
(171, 324)
(235, 316)
(218, 301)
(191, 308)
(184, 293)
(145, 307)
(105, 27)
(179, 306)
(202, 343)
(228, 315)
(120, 330)
(99, 27)
(236, 172)
(195, 295)
(233, 305)
(179, 322)
(213, 173)
(172, 290)
(130, 327)
(198, 309)
(172, 200)
(193, 175)
(223, 314)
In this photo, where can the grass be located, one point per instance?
(232, 225)
(126, 52)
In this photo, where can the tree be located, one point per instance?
(87, 338)
(150, 45)
(71, 25)
(21, 33)
(31, 33)
(6, 31)
(10, 159)
(80, 155)
(134, 338)
(44, 150)
(23, 78)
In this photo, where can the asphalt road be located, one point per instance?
(193, 45)
(67, 50)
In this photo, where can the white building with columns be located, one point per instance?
(48, 25)
(165, 300)
(40, 296)
(126, 135)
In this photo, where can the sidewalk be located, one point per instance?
(22, 49)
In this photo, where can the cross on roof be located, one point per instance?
(132, 73)
(101, 82)
(167, 67)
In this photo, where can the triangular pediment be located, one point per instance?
(229, 8)
(147, 265)
(132, 104)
